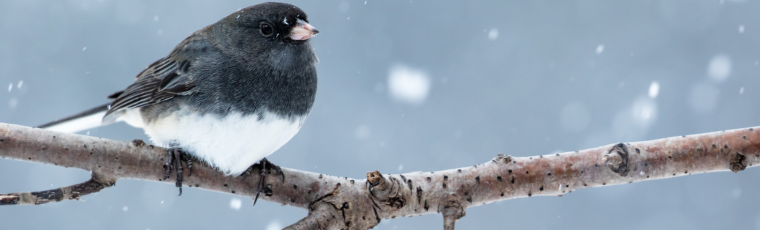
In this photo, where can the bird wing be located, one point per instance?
(163, 80)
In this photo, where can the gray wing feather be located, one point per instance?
(161, 81)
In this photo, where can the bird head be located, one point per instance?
(279, 32)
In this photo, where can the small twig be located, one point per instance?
(73, 192)
(451, 211)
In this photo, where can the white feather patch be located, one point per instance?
(231, 143)
(79, 124)
(132, 117)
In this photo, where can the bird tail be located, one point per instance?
(82, 121)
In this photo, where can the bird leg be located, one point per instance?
(174, 160)
(264, 166)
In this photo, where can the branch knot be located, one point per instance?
(617, 159)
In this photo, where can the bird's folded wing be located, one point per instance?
(161, 81)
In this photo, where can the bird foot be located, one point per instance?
(174, 161)
(264, 167)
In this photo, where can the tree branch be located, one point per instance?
(341, 202)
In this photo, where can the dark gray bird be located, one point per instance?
(230, 94)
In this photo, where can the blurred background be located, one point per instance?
(416, 86)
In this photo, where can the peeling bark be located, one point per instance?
(345, 203)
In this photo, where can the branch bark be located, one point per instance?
(346, 203)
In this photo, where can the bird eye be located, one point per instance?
(266, 29)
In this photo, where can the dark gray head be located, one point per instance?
(276, 32)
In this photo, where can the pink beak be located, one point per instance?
(303, 31)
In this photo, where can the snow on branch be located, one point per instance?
(340, 202)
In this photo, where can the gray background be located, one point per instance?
(539, 87)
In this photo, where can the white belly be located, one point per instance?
(231, 144)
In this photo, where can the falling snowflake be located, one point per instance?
(407, 84)
(654, 89)
(719, 68)
(236, 203)
(599, 49)
(493, 34)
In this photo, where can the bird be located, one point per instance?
(230, 94)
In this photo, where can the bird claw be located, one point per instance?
(174, 161)
(263, 166)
